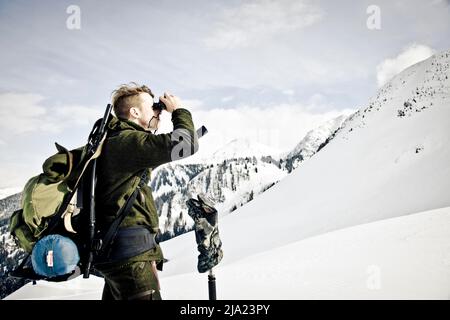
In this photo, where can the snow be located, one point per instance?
(340, 226)
(314, 138)
(76, 289)
(236, 148)
(400, 258)
(246, 178)
(241, 148)
(6, 192)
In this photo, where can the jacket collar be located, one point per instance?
(117, 124)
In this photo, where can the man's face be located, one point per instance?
(149, 118)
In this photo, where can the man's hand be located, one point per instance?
(172, 102)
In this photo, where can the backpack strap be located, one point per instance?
(104, 244)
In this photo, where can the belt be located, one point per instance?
(130, 242)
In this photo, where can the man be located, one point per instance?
(131, 148)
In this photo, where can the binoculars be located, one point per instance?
(159, 106)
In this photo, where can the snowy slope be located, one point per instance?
(378, 260)
(400, 258)
(378, 166)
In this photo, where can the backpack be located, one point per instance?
(51, 201)
(43, 196)
(62, 195)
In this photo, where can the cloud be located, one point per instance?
(280, 127)
(78, 115)
(227, 99)
(28, 113)
(256, 21)
(14, 175)
(288, 92)
(20, 112)
(392, 66)
(192, 104)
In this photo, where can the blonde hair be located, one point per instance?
(126, 96)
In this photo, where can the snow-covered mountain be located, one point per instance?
(234, 175)
(10, 254)
(381, 164)
(6, 192)
(9, 204)
(389, 159)
(230, 183)
(311, 143)
(241, 148)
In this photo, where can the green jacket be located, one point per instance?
(128, 150)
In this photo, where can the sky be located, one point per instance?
(268, 71)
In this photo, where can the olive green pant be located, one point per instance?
(136, 280)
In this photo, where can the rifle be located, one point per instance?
(95, 141)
